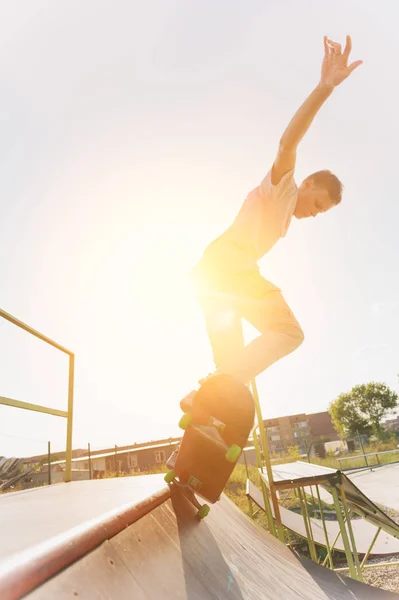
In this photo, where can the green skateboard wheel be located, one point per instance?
(170, 475)
(233, 453)
(185, 421)
(203, 511)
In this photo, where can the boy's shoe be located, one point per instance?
(187, 402)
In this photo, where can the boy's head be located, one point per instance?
(318, 193)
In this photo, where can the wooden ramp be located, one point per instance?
(163, 553)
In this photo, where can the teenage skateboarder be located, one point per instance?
(228, 283)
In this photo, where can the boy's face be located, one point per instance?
(312, 200)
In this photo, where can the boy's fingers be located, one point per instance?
(336, 47)
(348, 46)
(354, 65)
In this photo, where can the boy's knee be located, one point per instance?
(297, 333)
(291, 328)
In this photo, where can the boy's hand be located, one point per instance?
(335, 64)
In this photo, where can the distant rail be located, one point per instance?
(68, 414)
(364, 456)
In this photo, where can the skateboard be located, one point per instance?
(216, 423)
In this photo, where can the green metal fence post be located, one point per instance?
(266, 500)
(89, 453)
(68, 458)
(251, 512)
(265, 449)
(361, 445)
(49, 462)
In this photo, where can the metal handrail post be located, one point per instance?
(68, 457)
(329, 553)
(308, 525)
(251, 512)
(345, 539)
(351, 535)
(49, 462)
(266, 500)
(373, 541)
(333, 544)
(266, 456)
(89, 454)
(43, 409)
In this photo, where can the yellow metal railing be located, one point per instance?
(277, 529)
(68, 414)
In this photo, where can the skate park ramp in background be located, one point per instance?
(380, 483)
(164, 552)
(308, 475)
(364, 532)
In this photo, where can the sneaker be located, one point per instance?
(213, 374)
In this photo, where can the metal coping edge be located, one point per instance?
(26, 573)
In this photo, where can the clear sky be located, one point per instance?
(130, 134)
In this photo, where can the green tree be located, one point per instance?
(293, 451)
(362, 409)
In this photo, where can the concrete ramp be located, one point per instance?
(166, 553)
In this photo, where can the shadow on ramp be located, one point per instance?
(338, 583)
(205, 570)
(168, 554)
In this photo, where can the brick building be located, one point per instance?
(300, 430)
(122, 459)
(391, 425)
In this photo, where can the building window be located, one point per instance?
(132, 461)
(275, 438)
(300, 425)
(273, 429)
(160, 456)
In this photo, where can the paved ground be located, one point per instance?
(381, 485)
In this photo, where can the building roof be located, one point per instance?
(129, 450)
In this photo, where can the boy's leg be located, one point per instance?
(224, 328)
(260, 303)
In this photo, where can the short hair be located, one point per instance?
(330, 182)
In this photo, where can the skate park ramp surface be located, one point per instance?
(364, 532)
(152, 548)
(379, 483)
(309, 475)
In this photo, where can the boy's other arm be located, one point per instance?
(334, 70)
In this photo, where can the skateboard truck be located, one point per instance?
(186, 490)
(233, 451)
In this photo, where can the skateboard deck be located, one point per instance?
(216, 426)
